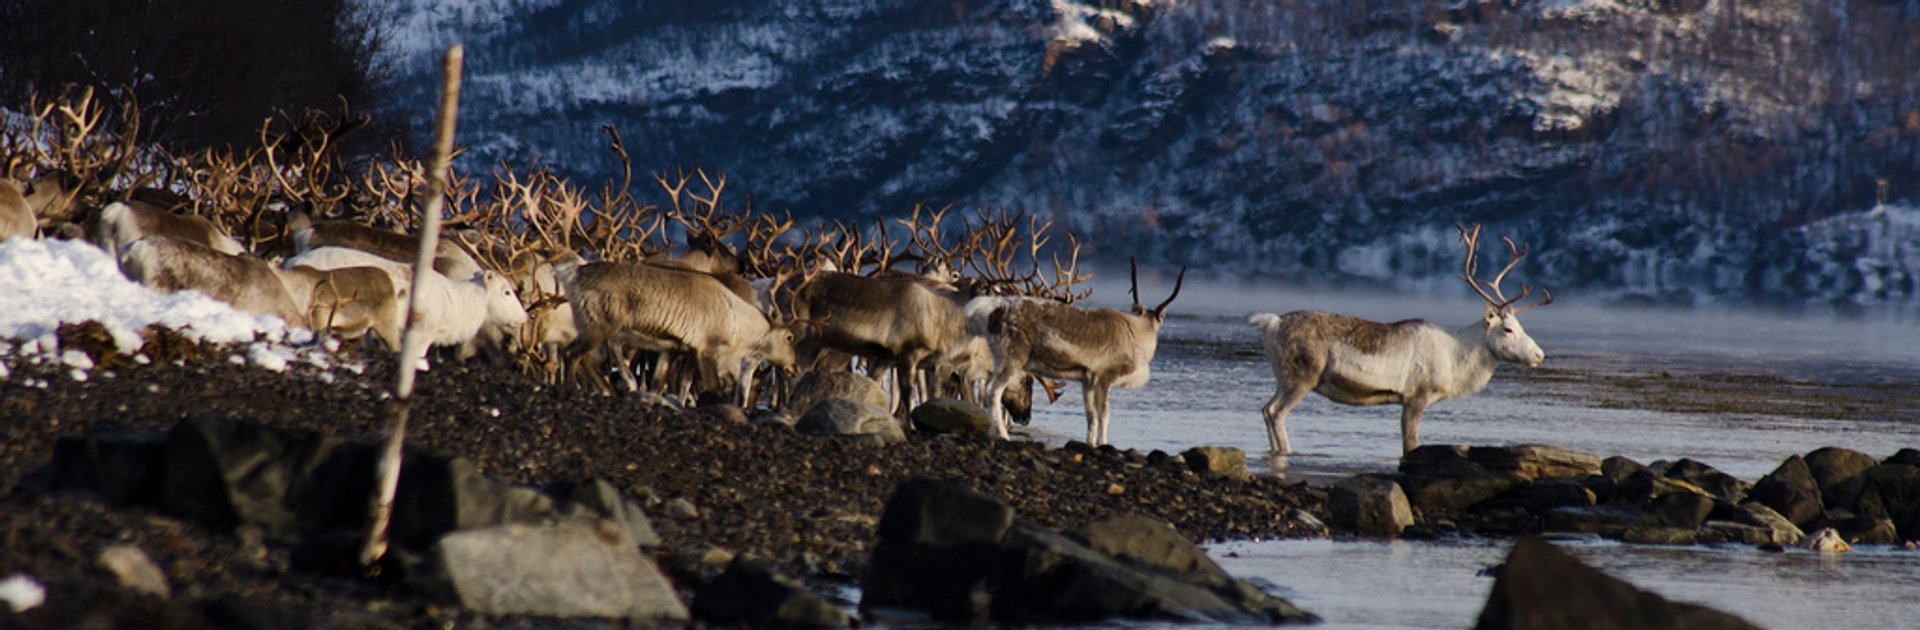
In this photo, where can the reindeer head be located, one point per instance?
(503, 303)
(1505, 337)
(1159, 313)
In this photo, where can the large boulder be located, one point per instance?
(1529, 462)
(438, 494)
(819, 385)
(750, 594)
(1832, 467)
(960, 556)
(844, 417)
(573, 568)
(1790, 490)
(948, 415)
(1684, 510)
(1643, 486)
(1370, 506)
(1541, 586)
(1708, 479)
(119, 467)
(1892, 492)
(1440, 480)
(286, 483)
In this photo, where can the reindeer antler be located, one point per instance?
(1498, 299)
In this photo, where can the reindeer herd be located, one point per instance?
(585, 294)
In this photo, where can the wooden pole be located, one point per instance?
(413, 344)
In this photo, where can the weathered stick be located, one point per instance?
(413, 345)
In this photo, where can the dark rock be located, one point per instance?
(1617, 469)
(1715, 483)
(1684, 510)
(1779, 530)
(1832, 468)
(1862, 530)
(1152, 543)
(959, 555)
(1437, 496)
(570, 569)
(1642, 487)
(1222, 460)
(1535, 461)
(844, 417)
(1733, 532)
(1905, 457)
(1438, 460)
(286, 483)
(947, 415)
(1369, 506)
(1605, 520)
(121, 468)
(438, 494)
(724, 412)
(818, 385)
(1540, 496)
(751, 594)
(1541, 586)
(597, 498)
(1892, 491)
(1657, 535)
(1790, 490)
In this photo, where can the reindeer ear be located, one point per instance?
(1493, 316)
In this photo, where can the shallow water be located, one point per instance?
(1210, 378)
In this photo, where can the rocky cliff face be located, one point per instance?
(1671, 151)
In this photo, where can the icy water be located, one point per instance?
(1739, 392)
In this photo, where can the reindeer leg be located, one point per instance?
(1087, 396)
(997, 389)
(1106, 408)
(1276, 409)
(1410, 423)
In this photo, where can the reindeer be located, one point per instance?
(671, 311)
(1102, 349)
(897, 321)
(1414, 363)
(348, 301)
(452, 311)
(123, 222)
(244, 282)
(450, 256)
(16, 216)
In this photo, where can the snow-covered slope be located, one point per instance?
(1672, 150)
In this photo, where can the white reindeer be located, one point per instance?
(1102, 349)
(123, 222)
(1413, 363)
(452, 310)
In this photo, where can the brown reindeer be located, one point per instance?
(1101, 348)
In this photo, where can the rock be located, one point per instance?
(135, 571)
(1370, 506)
(1861, 530)
(1832, 468)
(1904, 457)
(843, 417)
(1733, 532)
(287, 483)
(1440, 496)
(776, 419)
(948, 415)
(818, 385)
(597, 498)
(571, 569)
(1642, 487)
(1222, 460)
(1708, 479)
(1617, 469)
(1605, 520)
(438, 494)
(1438, 460)
(1540, 496)
(958, 556)
(750, 594)
(1892, 492)
(1790, 490)
(1541, 586)
(1780, 531)
(1684, 510)
(1535, 461)
(22, 593)
(121, 467)
(1658, 535)
(1153, 543)
(681, 509)
(1826, 540)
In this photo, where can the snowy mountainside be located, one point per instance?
(1684, 151)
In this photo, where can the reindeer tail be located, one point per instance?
(1264, 321)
